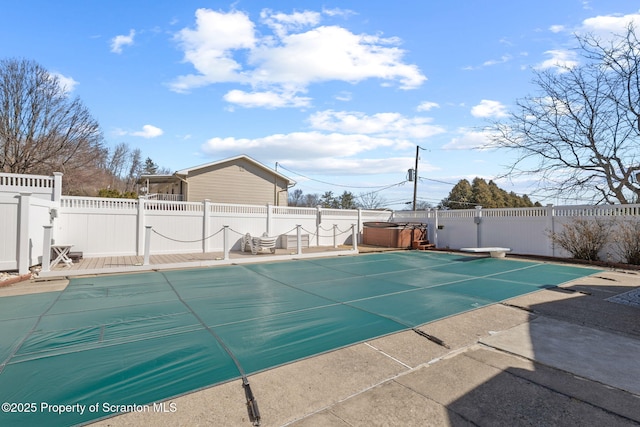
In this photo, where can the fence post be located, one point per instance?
(551, 246)
(318, 223)
(140, 218)
(478, 220)
(225, 242)
(269, 218)
(205, 225)
(46, 248)
(147, 244)
(23, 233)
(56, 195)
(299, 238)
(354, 237)
(435, 228)
(359, 225)
(335, 237)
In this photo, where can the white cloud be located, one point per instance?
(607, 25)
(359, 166)
(282, 23)
(344, 96)
(268, 99)
(333, 53)
(427, 106)
(148, 131)
(67, 84)
(560, 59)
(468, 139)
(301, 145)
(320, 153)
(556, 28)
(119, 41)
(227, 48)
(488, 108)
(391, 125)
(340, 143)
(209, 48)
(503, 59)
(338, 12)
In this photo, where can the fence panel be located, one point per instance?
(177, 226)
(376, 216)
(9, 231)
(39, 186)
(457, 229)
(343, 221)
(524, 230)
(610, 214)
(285, 219)
(241, 219)
(39, 216)
(98, 227)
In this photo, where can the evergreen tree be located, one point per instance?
(150, 168)
(347, 201)
(499, 197)
(480, 193)
(460, 196)
(328, 200)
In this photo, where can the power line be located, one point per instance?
(381, 187)
(435, 180)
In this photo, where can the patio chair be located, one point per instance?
(257, 244)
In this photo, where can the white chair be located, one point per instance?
(257, 244)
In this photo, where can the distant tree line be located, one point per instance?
(347, 200)
(465, 195)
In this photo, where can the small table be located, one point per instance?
(62, 255)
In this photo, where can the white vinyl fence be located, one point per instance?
(22, 218)
(117, 227)
(112, 227)
(526, 231)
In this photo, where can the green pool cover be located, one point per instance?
(122, 343)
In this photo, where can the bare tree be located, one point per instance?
(42, 130)
(295, 197)
(371, 200)
(135, 169)
(118, 159)
(580, 135)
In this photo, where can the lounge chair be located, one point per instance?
(257, 244)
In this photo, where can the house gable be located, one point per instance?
(237, 180)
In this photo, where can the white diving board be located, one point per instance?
(494, 252)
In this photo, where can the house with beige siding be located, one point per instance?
(239, 179)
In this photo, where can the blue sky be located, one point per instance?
(339, 94)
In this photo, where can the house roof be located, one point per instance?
(157, 179)
(185, 172)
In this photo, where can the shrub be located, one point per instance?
(113, 193)
(627, 240)
(583, 239)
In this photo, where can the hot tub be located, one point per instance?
(392, 234)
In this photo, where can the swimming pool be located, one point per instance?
(125, 342)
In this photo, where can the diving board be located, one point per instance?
(493, 251)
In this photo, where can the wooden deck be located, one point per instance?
(127, 264)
